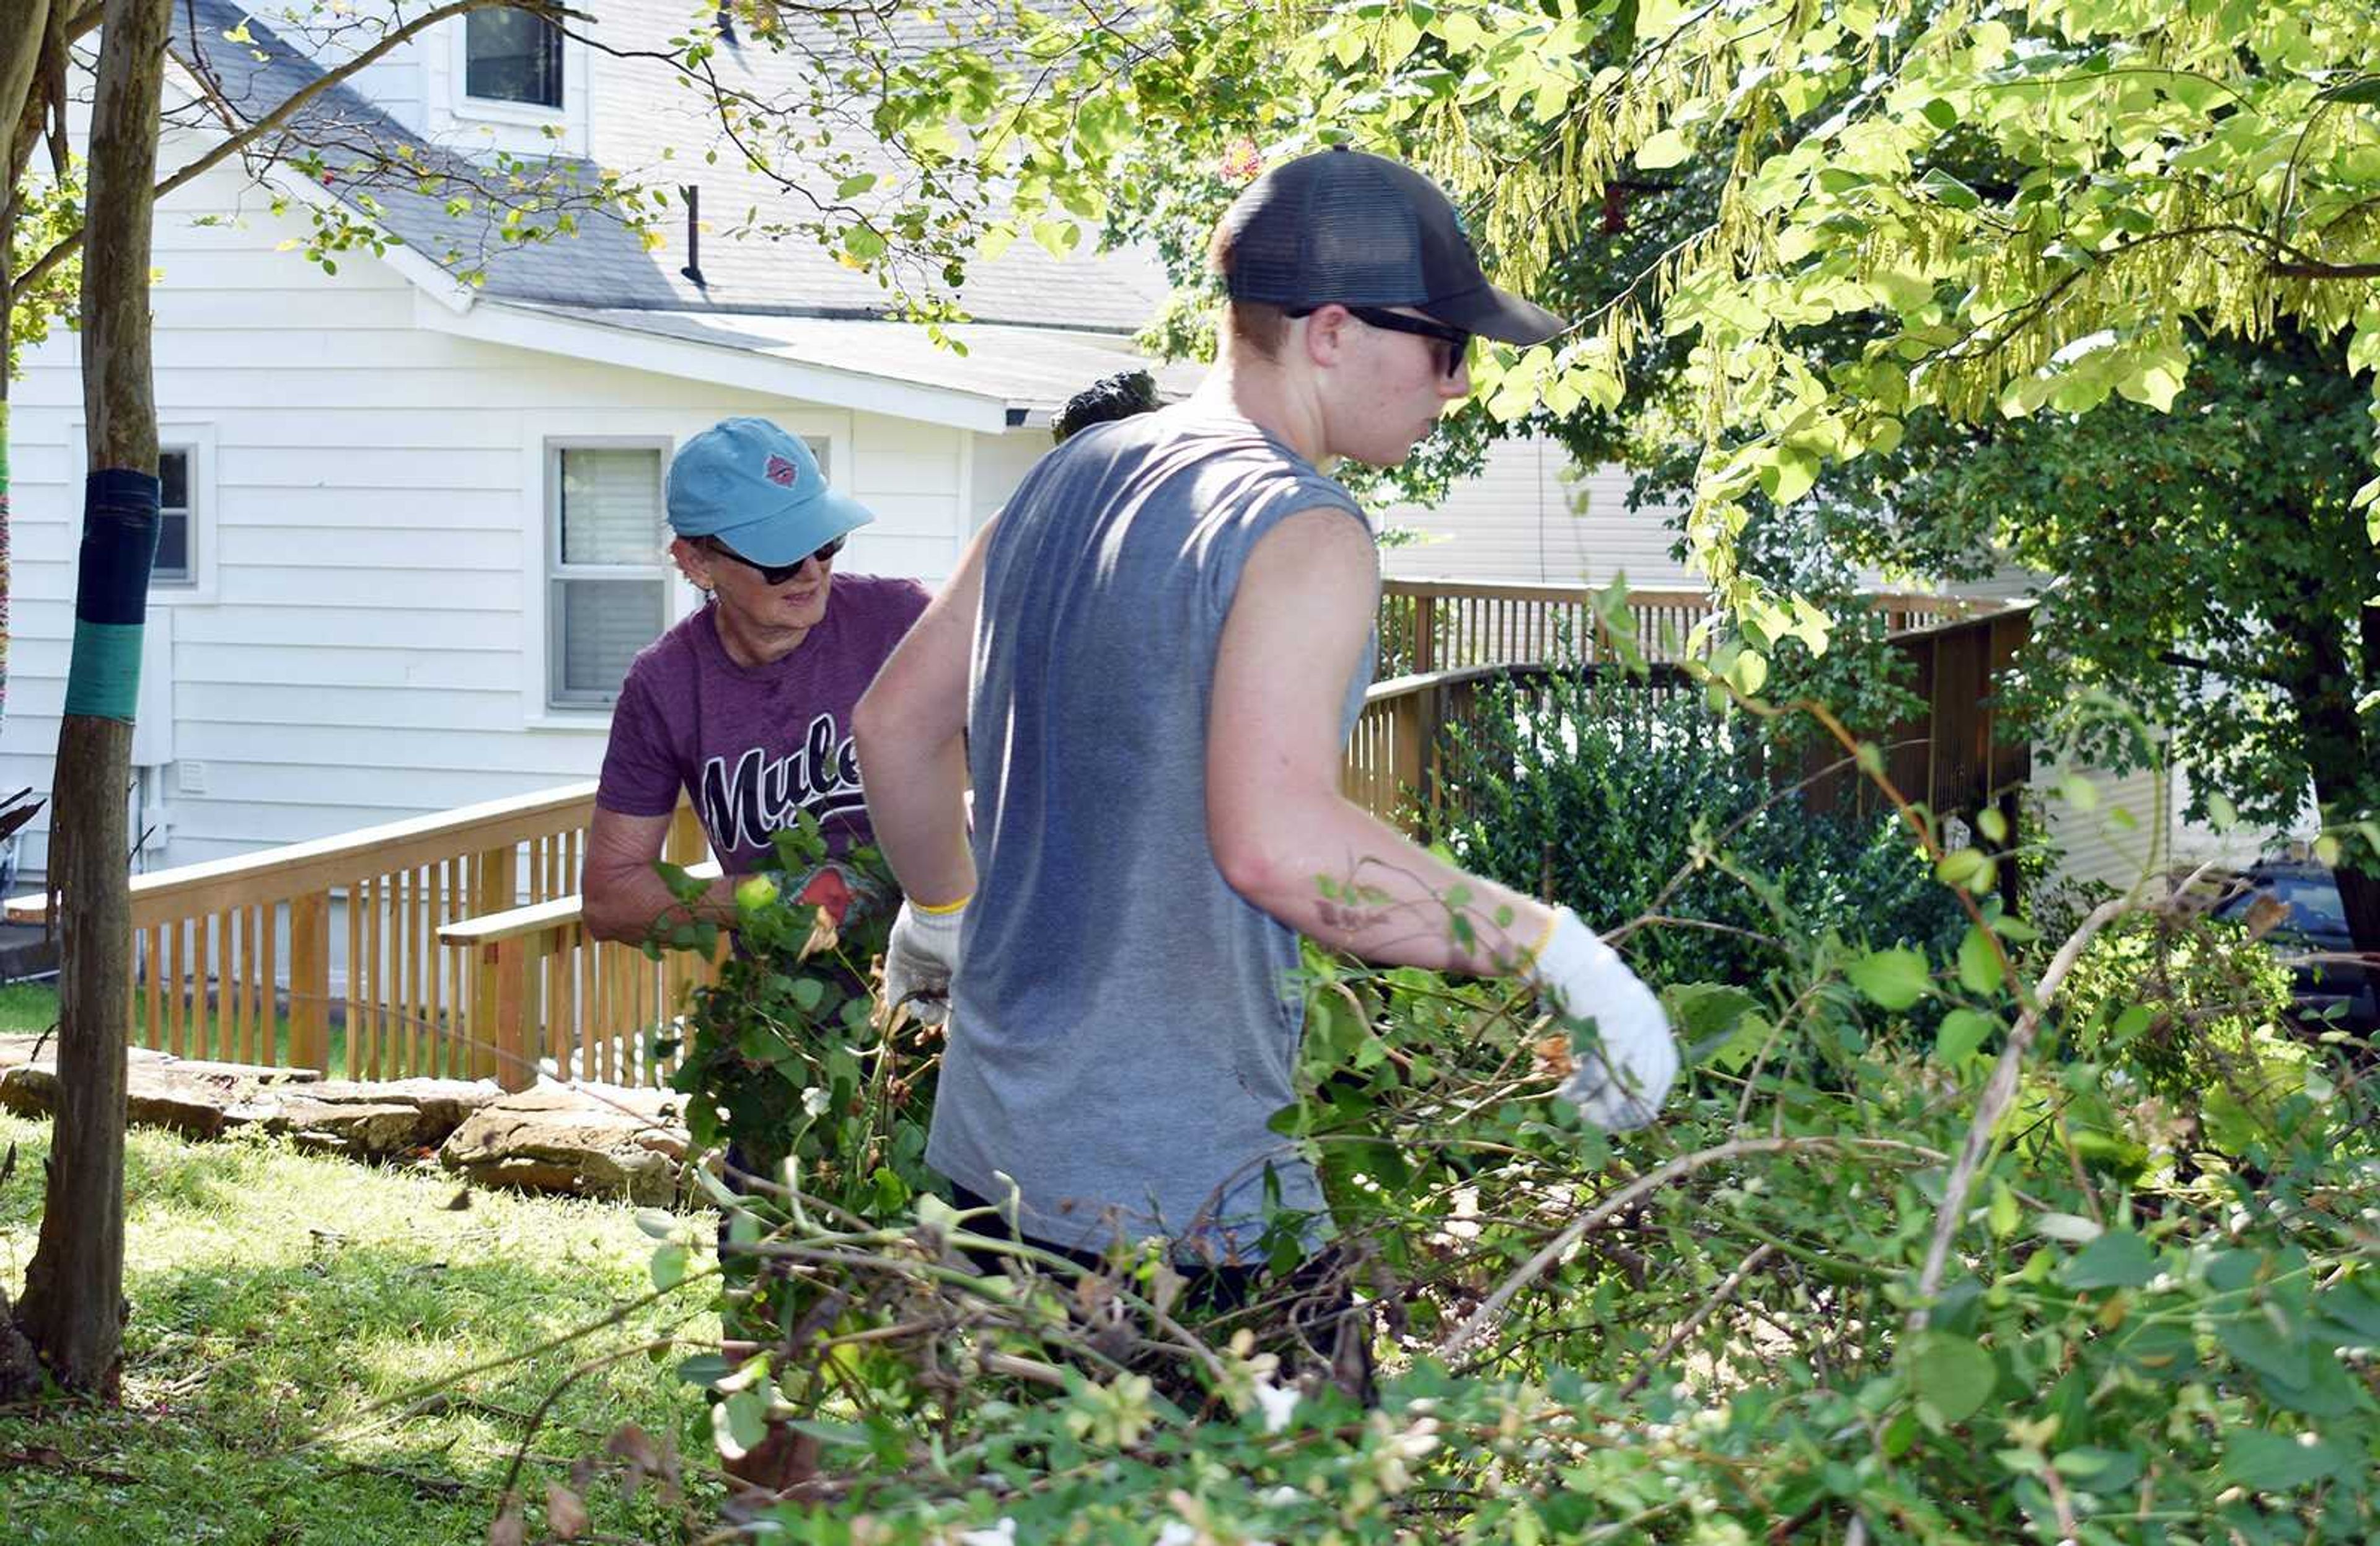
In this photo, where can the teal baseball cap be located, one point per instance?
(760, 491)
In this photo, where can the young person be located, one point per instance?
(1148, 665)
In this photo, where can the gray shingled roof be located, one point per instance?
(646, 127)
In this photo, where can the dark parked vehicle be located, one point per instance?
(2340, 993)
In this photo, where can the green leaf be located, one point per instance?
(1968, 869)
(1668, 148)
(1949, 190)
(704, 1369)
(669, 1267)
(2099, 1470)
(2363, 94)
(2251, 1340)
(1961, 1033)
(742, 1420)
(853, 185)
(1980, 970)
(2277, 1462)
(2003, 1215)
(1894, 979)
(2118, 1258)
(1949, 1373)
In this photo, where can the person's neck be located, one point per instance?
(1266, 395)
(750, 645)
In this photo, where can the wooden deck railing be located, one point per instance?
(550, 995)
(466, 954)
(219, 946)
(1428, 625)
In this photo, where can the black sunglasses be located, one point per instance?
(774, 574)
(1421, 327)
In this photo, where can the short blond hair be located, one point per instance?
(1261, 326)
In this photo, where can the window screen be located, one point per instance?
(173, 565)
(608, 586)
(512, 55)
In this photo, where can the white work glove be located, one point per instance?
(919, 958)
(1620, 1083)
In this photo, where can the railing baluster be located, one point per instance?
(177, 1024)
(153, 1019)
(268, 976)
(354, 1059)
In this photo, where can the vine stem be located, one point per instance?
(1999, 1090)
(1492, 1308)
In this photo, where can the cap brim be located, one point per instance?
(1492, 313)
(791, 535)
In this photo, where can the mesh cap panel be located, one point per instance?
(1356, 229)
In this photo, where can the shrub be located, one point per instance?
(1600, 796)
(2196, 1009)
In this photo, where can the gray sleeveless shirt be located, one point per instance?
(1123, 1026)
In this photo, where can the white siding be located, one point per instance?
(372, 644)
(2125, 836)
(1520, 519)
(1001, 463)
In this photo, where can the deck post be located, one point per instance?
(310, 981)
(493, 891)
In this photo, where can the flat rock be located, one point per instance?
(601, 1142)
(158, 1094)
(366, 1121)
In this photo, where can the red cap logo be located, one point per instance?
(782, 472)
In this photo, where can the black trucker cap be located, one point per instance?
(1347, 227)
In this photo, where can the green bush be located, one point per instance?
(2134, 1329)
(2196, 1009)
(1621, 801)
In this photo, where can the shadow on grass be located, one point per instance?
(277, 1298)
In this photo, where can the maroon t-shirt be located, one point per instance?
(756, 747)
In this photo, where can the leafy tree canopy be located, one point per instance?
(2177, 162)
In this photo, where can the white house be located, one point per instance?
(414, 531)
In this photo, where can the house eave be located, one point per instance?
(494, 322)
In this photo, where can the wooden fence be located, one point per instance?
(465, 951)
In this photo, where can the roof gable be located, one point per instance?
(648, 126)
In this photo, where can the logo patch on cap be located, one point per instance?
(782, 472)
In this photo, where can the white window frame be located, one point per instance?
(544, 435)
(167, 446)
(197, 438)
(552, 570)
(504, 109)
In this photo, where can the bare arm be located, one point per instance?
(911, 727)
(621, 896)
(1282, 834)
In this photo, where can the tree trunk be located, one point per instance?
(73, 1309)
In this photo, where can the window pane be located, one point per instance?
(600, 626)
(612, 506)
(173, 547)
(174, 471)
(512, 57)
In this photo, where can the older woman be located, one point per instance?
(746, 705)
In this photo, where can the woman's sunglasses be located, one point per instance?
(1421, 327)
(774, 574)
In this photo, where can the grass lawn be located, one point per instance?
(278, 1295)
